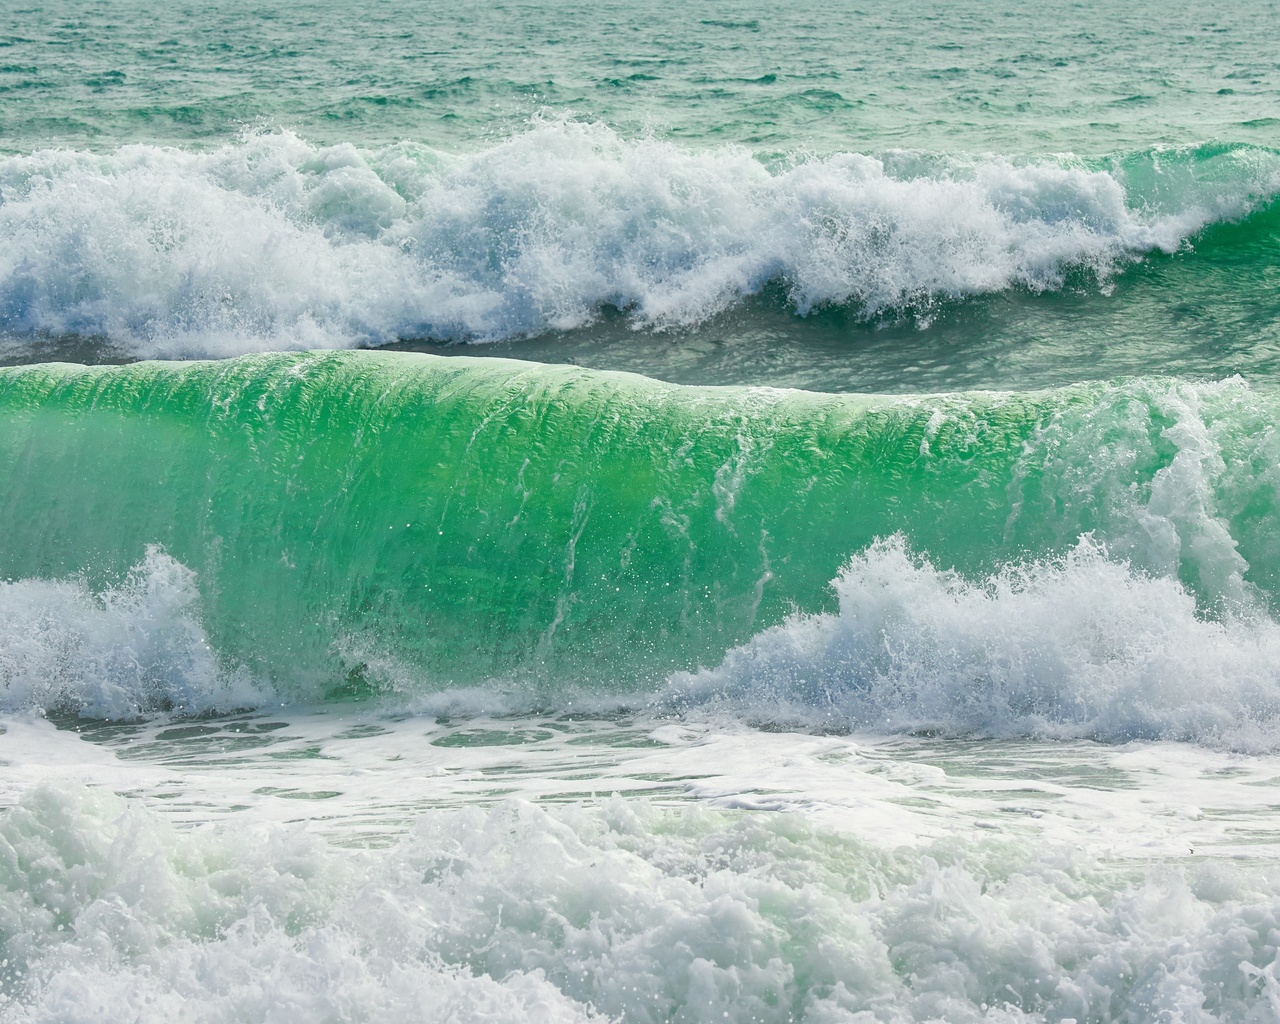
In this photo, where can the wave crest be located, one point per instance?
(273, 242)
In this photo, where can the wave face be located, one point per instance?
(335, 524)
(274, 243)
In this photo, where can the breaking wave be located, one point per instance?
(276, 243)
(124, 651)
(1078, 646)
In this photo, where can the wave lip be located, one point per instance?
(1080, 646)
(276, 243)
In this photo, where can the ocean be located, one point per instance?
(563, 511)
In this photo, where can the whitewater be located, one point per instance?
(273, 243)
(609, 512)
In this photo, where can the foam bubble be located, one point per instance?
(135, 648)
(618, 910)
(1083, 645)
(275, 243)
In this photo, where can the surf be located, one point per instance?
(273, 242)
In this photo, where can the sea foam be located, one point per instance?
(1083, 645)
(126, 650)
(276, 243)
(614, 910)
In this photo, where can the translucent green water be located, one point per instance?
(472, 520)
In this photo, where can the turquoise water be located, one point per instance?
(963, 197)
(973, 77)
(578, 512)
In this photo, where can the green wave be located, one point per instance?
(376, 519)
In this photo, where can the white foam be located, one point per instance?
(130, 649)
(276, 243)
(616, 910)
(1094, 467)
(1083, 645)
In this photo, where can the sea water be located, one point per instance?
(639, 512)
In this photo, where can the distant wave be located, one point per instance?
(276, 243)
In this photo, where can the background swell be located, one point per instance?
(272, 242)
